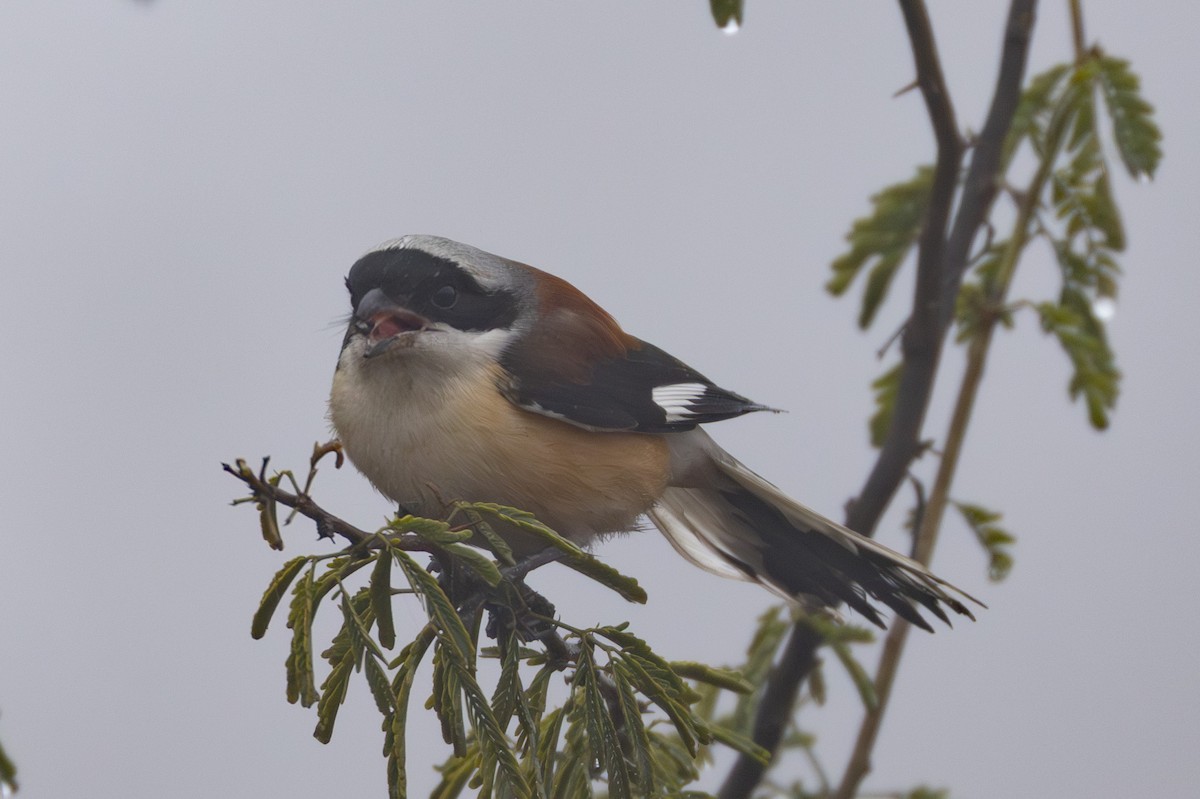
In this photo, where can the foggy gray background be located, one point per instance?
(184, 186)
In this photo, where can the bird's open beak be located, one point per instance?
(390, 324)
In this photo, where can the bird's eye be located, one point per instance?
(445, 297)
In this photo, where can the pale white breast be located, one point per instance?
(426, 435)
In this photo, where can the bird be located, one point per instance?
(467, 376)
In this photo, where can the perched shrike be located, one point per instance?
(467, 376)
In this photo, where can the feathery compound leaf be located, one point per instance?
(441, 611)
(377, 681)
(476, 561)
(926, 793)
(345, 655)
(301, 684)
(8, 774)
(634, 729)
(886, 388)
(274, 593)
(433, 530)
(490, 537)
(1033, 110)
(603, 740)
(509, 693)
(726, 12)
(839, 632)
(499, 765)
(446, 699)
(884, 238)
(269, 520)
(1136, 135)
(455, 774)
(573, 779)
(772, 627)
(649, 682)
(741, 743)
(816, 684)
(634, 647)
(408, 661)
(549, 732)
(381, 597)
(862, 680)
(607, 576)
(728, 679)
(674, 766)
(333, 693)
(525, 521)
(994, 539)
(1082, 337)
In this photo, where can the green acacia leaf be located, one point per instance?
(490, 538)
(741, 743)
(402, 683)
(690, 729)
(381, 598)
(476, 561)
(1136, 134)
(606, 575)
(728, 679)
(1033, 110)
(301, 683)
(994, 539)
(456, 772)
(333, 694)
(377, 681)
(269, 521)
(884, 239)
(640, 755)
(862, 680)
(8, 773)
(523, 520)
(433, 530)
(446, 700)
(602, 732)
(878, 281)
(509, 693)
(887, 389)
(1095, 377)
(274, 594)
(499, 764)
(1105, 216)
(549, 733)
(451, 630)
(726, 13)
(633, 647)
(816, 684)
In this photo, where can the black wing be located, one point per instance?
(640, 389)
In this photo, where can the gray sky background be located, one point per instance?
(184, 185)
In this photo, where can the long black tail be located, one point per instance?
(744, 527)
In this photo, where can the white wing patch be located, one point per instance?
(678, 399)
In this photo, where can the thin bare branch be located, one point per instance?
(923, 334)
(941, 262)
(327, 523)
(983, 176)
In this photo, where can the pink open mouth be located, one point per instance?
(389, 330)
(387, 324)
